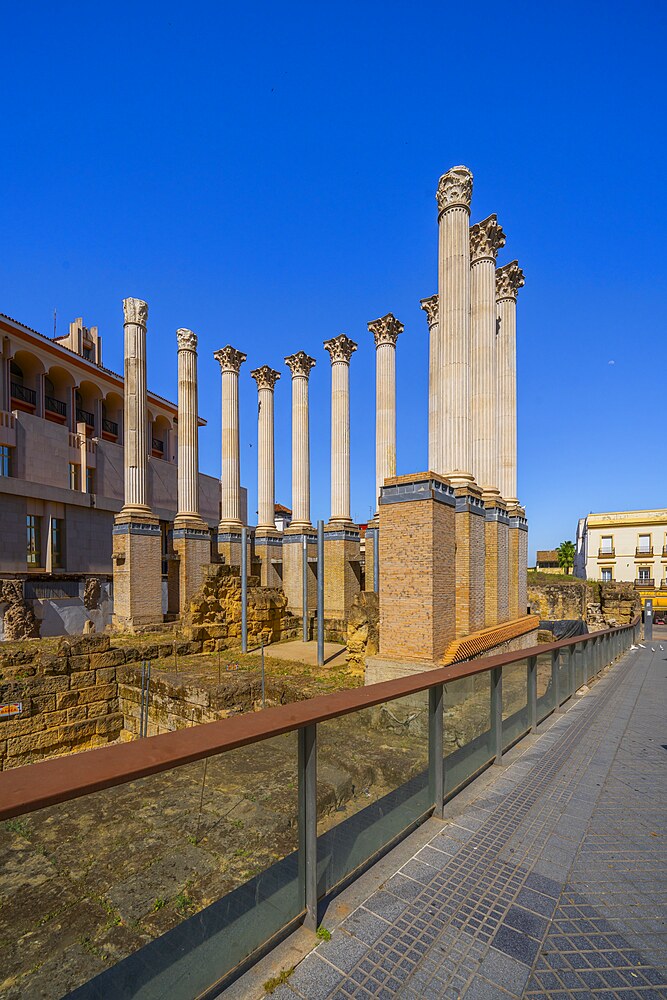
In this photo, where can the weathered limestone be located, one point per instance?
(431, 308)
(137, 543)
(486, 238)
(417, 529)
(509, 279)
(300, 365)
(191, 536)
(229, 529)
(342, 580)
(268, 540)
(453, 333)
(385, 333)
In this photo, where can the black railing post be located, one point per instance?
(532, 692)
(436, 773)
(497, 710)
(307, 767)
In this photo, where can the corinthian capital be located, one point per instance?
(136, 311)
(265, 377)
(340, 348)
(187, 340)
(430, 307)
(386, 329)
(454, 188)
(509, 279)
(486, 239)
(300, 364)
(230, 359)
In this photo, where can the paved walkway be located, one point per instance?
(552, 884)
(306, 652)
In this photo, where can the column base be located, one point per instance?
(137, 569)
(228, 545)
(269, 550)
(342, 569)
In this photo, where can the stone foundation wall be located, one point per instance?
(600, 605)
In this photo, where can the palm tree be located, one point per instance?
(565, 553)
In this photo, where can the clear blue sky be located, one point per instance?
(265, 174)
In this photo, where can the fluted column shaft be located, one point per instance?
(340, 350)
(188, 432)
(385, 332)
(135, 409)
(453, 387)
(266, 379)
(300, 365)
(486, 238)
(230, 363)
(508, 281)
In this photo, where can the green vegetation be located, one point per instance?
(20, 826)
(565, 552)
(158, 904)
(272, 984)
(323, 934)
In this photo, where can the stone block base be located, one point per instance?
(293, 569)
(137, 573)
(496, 583)
(193, 548)
(342, 574)
(269, 553)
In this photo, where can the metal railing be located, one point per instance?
(158, 446)
(23, 393)
(85, 416)
(54, 405)
(110, 426)
(498, 700)
(644, 582)
(643, 553)
(606, 554)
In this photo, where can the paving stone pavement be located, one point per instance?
(552, 884)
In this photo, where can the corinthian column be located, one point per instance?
(453, 386)
(300, 365)
(486, 238)
(509, 279)
(340, 350)
(230, 363)
(266, 379)
(430, 307)
(188, 433)
(135, 415)
(385, 332)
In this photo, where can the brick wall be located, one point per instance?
(342, 580)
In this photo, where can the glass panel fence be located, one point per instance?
(372, 783)
(515, 702)
(579, 665)
(564, 673)
(467, 736)
(546, 695)
(155, 888)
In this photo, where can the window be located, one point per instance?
(90, 480)
(606, 574)
(644, 543)
(644, 572)
(88, 353)
(74, 476)
(16, 372)
(34, 540)
(57, 538)
(607, 544)
(5, 460)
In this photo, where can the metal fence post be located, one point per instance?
(436, 774)
(555, 677)
(532, 692)
(320, 593)
(307, 769)
(304, 585)
(497, 710)
(571, 670)
(244, 590)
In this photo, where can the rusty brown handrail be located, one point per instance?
(34, 786)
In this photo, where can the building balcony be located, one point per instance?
(644, 553)
(22, 394)
(645, 584)
(110, 427)
(664, 550)
(663, 585)
(158, 448)
(55, 406)
(607, 554)
(85, 417)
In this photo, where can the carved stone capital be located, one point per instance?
(340, 348)
(230, 359)
(136, 311)
(187, 340)
(509, 279)
(300, 364)
(386, 329)
(265, 377)
(454, 189)
(430, 307)
(486, 239)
